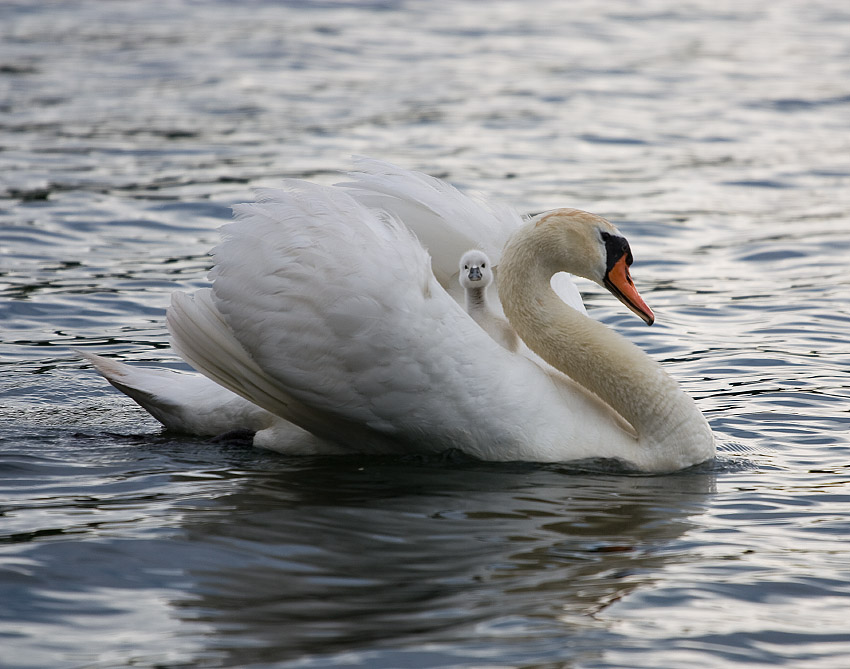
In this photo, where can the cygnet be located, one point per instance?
(476, 275)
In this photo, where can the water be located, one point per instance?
(716, 135)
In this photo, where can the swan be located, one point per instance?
(475, 274)
(329, 325)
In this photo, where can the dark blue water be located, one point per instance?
(716, 137)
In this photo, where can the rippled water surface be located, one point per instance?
(716, 136)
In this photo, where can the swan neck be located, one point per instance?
(601, 360)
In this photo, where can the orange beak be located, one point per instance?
(619, 282)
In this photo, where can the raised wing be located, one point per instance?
(447, 222)
(326, 313)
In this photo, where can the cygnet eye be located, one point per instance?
(466, 266)
(483, 265)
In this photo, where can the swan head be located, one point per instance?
(590, 246)
(476, 270)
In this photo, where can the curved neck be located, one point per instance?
(598, 358)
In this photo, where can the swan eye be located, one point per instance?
(605, 236)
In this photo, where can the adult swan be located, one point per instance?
(326, 311)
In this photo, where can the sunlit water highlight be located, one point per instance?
(716, 137)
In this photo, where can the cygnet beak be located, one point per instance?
(475, 273)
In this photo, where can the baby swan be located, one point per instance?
(476, 275)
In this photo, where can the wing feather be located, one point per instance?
(326, 313)
(447, 222)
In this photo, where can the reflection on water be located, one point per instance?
(347, 556)
(715, 137)
(254, 559)
(523, 556)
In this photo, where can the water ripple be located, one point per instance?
(714, 136)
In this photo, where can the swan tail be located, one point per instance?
(182, 402)
(144, 386)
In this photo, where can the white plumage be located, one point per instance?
(326, 310)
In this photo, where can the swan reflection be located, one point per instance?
(349, 555)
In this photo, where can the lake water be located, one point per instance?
(716, 135)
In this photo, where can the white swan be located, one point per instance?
(325, 311)
(475, 275)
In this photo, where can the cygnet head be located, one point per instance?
(590, 246)
(476, 271)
